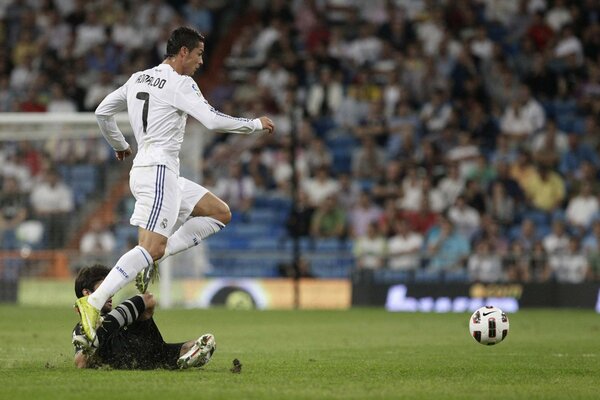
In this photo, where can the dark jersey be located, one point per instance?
(126, 343)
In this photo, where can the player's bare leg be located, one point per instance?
(209, 216)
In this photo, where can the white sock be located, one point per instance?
(123, 272)
(191, 233)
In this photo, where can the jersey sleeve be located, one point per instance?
(189, 99)
(113, 103)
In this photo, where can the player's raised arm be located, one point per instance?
(190, 99)
(105, 115)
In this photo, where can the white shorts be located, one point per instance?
(163, 201)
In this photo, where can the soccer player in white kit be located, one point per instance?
(172, 213)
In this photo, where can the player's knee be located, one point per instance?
(224, 216)
(157, 251)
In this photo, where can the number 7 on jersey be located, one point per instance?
(146, 97)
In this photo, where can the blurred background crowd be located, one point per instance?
(435, 138)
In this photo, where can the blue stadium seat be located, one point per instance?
(456, 276)
(425, 275)
(391, 276)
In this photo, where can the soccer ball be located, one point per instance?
(489, 325)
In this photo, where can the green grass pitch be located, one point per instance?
(357, 354)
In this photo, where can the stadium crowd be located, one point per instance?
(434, 135)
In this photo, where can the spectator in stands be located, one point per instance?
(582, 208)
(492, 233)
(199, 15)
(500, 205)
(368, 160)
(348, 192)
(98, 90)
(474, 195)
(577, 153)
(526, 234)
(402, 126)
(318, 154)
(445, 248)
(517, 263)
(362, 215)
(523, 169)
(328, 220)
(556, 242)
(485, 265)
(98, 241)
(388, 186)
(550, 139)
(433, 195)
(545, 189)
(464, 154)
(13, 211)
(591, 247)
(412, 189)
(451, 185)
(320, 186)
(258, 170)
(59, 103)
(571, 266)
(404, 248)
(523, 117)
(481, 171)
(510, 185)
(421, 220)
(15, 166)
(325, 95)
(436, 113)
(237, 190)
(466, 219)
(52, 201)
(299, 219)
(370, 249)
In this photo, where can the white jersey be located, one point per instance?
(158, 101)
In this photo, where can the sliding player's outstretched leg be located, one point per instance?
(200, 353)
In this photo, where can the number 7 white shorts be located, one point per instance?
(163, 200)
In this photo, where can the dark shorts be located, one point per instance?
(139, 346)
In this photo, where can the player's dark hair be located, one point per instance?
(183, 37)
(88, 277)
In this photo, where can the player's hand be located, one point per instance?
(123, 154)
(267, 124)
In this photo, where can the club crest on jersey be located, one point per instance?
(196, 89)
(163, 223)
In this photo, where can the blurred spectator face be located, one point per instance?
(573, 245)
(364, 200)
(558, 228)
(10, 185)
(401, 227)
(52, 178)
(586, 189)
(483, 247)
(329, 203)
(528, 228)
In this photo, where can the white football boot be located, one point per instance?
(200, 353)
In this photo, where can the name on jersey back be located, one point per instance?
(151, 81)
